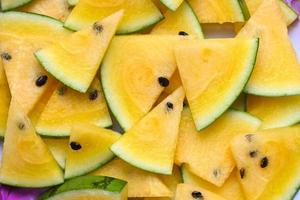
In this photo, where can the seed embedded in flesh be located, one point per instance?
(98, 28)
(6, 56)
(169, 106)
(21, 126)
(61, 91)
(183, 33)
(264, 162)
(216, 173)
(249, 137)
(42, 80)
(197, 195)
(75, 146)
(253, 154)
(93, 95)
(242, 173)
(164, 82)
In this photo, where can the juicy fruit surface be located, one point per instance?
(213, 73)
(89, 188)
(155, 134)
(11, 4)
(273, 173)
(275, 53)
(132, 93)
(4, 100)
(67, 107)
(58, 148)
(219, 134)
(140, 183)
(142, 15)
(183, 19)
(172, 4)
(221, 11)
(67, 60)
(94, 149)
(30, 154)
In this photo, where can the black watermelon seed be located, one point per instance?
(264, 162)
(183, 33)
(253, 154)
(98, 28)
(21, 126)
(164, 82)
(6, 56)
(169, 106)
(242, 173)
(197, 195)
(216, 172)
(93, 95)
(75, 146)
(42, 80)
(61, 91)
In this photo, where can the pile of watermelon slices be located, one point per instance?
(129, 99)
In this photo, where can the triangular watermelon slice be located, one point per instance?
(4, 100)
(32, 164)
(76, 59)
(89, 148)
(155, 134)
(277, 71)
(140, 183)
(67, 107)
(214, 73)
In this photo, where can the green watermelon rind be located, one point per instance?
(170, 5)
(290, 13)
(13, 5)
(73, 2)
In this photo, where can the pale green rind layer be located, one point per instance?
(289, 13)
(171, 4)
(12, 4)
(194, 20)
(73, 2)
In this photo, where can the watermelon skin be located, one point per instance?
(12, 4)
(172, 4)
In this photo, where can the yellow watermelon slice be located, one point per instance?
(140, 183)
(214, 73)
(138, 14)
(67, 107)
(277, 71)
(154, 135)
(32, 164)
(68, 60)
(268, 162)
(4, 100)
(212, 160)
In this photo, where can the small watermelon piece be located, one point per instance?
(140, 16)
(208, 162)
(89, 148)
(214, 73)
(183, 20)
(172, 4)
(140, 183)
(160, 126)
(275, 112)
(4, 100)
(88, 188)
(220, 11)
(268, 162)
(11, 4)
(67, 107)
(58, 148)
(80, 53)
(132, 84)
(186, 191)
(275, 54)
(32, 164)
(240, 102)
(231, 189)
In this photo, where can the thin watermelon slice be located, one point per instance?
(32, 164)
(160, 126)
(140, 183)
(68, 60)
(275, 54)
(89, 148)
(67, 107)
(183, 20)
(11, 4)
(132, 84)
(275, 112)
(214, 73)
(208, 162)
(58, 148)
(269, 163)
(88, 187)
(140, 16)
(220, 11)
(186, 191)
(231, 189)
(4, 100)
(172, 4)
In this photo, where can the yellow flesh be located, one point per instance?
(33, 164)
(68, 60)
(277, 71)
(73, 107)
(275, 111)
(4, 100)
(280, 178)
(213, 73)
(221, 11)
(138, 14)
(212, 160)
(231, 189)
(184, 192)
(140, 183)
(95, 149)
(133, 92)
(155, 135)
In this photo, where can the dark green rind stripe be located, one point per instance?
(245, 9)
